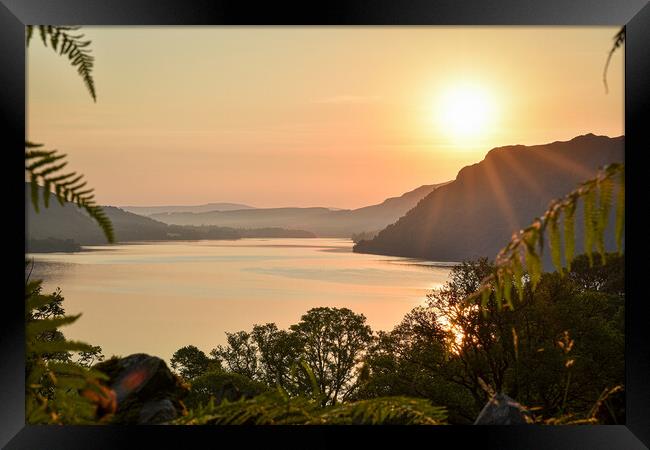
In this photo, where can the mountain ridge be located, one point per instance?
(476, 214)
(325, 222)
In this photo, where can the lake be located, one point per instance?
(155, 297)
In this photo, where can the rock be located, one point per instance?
(147, 392)
(502, 410)
(157, 411)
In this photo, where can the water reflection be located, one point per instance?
(157, 297)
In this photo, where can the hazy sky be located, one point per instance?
(313, 116)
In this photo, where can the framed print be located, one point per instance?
(325, 221)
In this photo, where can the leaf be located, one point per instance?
(485, 297)
(555, 244)
(533, 261)
(29, 32)
(312, 378)
(42, 325)
(61, 346)
(606, 187)
(569, 232)
(72, 46)
(498, 290)
(590, 224)
(34, 189)
(518, 275)
(46, 193)
(37, 301)
(507, 291)
(67, 187)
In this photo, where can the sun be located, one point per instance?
(465, 112)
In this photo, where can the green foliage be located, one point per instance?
(62, 40)
(449, 353)
(333, 342)
(276, 408)
(322, 351)
(240, 355)
(218, 385)
(384, 411)
(190, 362)
(596, 195)
(54, 383)
(279, 351)
(44, 168)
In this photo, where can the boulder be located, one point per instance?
(146, 391)
(502, 410)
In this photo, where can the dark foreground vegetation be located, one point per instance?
(559, 353)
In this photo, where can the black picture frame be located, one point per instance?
(634, 14)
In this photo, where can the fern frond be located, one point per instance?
(53, 383)
(29, 31)
(555, 243)
(44, 167)
(590, 225)
(41, 348)
(569, 233)
(383, 411)
(619, 40)
(597, 197)
(37, 327)
(273, 408)
(71, 45)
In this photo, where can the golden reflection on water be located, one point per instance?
(157, 297)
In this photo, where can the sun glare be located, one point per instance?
(465, 112)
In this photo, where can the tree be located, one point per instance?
(190, 362)
(558, 351)
(414, 360)
(240, 355)
(334, 341)
(279, 351)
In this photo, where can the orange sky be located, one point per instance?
(312, 116)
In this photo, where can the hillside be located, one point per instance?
(476, 214)
(324, 222)
(52, 228)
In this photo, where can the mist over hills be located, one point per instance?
(476, 214)
(473, 215)
(324, 222)
(149, 210)
(65, 227)
(53, 228)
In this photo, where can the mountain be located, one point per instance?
(149, 210)
(324, 222)
(476, 214)
(59, 228)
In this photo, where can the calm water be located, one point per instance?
(158, 297)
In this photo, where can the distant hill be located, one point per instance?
(476, 214)
(149, 210)
(53, 226)
(324, 222)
